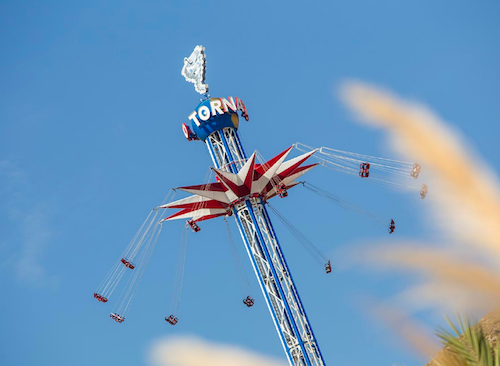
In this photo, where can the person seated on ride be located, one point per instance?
(248, 301)
(116, 317)
(282, 191)
(364, 170)
(99, 297)
(193, 225)
(171, 319)
(392, 227)
(424, 191)
(328, 267)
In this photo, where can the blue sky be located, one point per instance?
(91, 107)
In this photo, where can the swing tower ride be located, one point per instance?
(241, 190)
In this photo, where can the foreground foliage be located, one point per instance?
(467, 346)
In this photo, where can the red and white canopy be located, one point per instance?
(216, 199)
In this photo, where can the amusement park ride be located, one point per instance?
(242, 189)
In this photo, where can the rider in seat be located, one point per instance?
(248, 301)
(328, 267)
(127, 263)
(193, 225)
(364, 170)
(172, 320)
(99, 297)
(424, 191)
(392, 227)
(282, 191)
(415, 171)
(117, 318)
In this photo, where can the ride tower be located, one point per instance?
(242, 190)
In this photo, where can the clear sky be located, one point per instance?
(91, 106)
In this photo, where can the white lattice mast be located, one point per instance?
(241, 190)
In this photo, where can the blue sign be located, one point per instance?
(214, 114)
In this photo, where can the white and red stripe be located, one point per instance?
(215, 199)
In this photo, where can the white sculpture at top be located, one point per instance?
(194, 69)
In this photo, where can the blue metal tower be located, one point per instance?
(268, 261)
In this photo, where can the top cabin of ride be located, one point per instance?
(218, 106)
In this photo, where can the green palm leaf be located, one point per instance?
(467, 346)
